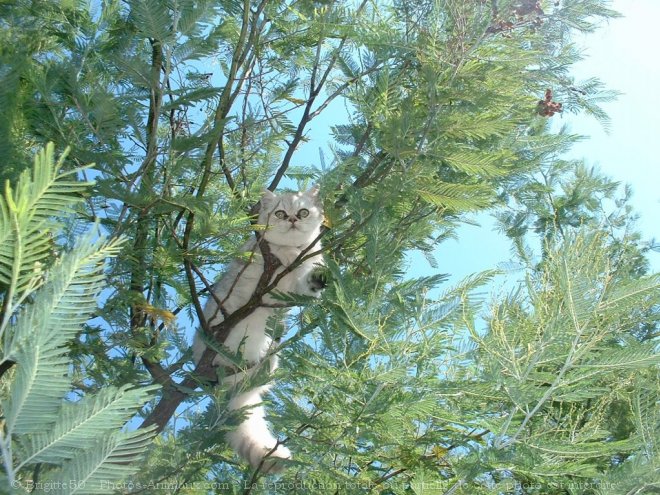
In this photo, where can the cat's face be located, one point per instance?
(291, 219)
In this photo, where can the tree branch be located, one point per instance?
(5, 366)
(138, 273)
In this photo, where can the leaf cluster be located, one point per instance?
(49, 437)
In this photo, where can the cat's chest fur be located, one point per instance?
(235, 293)
(286, 254)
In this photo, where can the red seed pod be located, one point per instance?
(547, 107)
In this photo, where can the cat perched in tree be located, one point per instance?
(292, 222)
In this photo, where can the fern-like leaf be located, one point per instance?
(38, 344)
(79, 422)
(152, 18)
(99, 468)
(26, 221)
(468, 197)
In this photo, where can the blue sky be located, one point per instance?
(622, 54)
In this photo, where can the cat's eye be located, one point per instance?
(303, 212)
(281, 214)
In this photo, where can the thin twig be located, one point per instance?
(314, 91)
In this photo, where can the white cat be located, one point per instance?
(293, 221)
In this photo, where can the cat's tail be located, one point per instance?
(252, 438)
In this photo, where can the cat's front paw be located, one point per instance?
(316, 282)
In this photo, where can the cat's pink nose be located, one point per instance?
(293, 220)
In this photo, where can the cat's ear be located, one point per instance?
(314, 193)
(267, 196)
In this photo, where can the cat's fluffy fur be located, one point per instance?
(286, 237)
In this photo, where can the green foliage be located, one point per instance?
(27, 219)
(564, 359)
(71, 443)
(387, 384)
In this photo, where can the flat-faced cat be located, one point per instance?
(292, 221)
